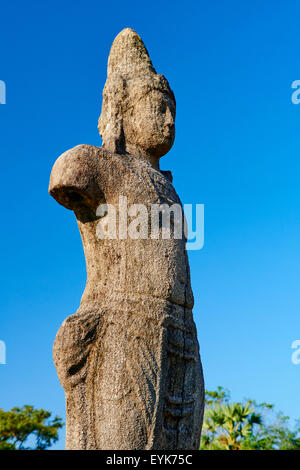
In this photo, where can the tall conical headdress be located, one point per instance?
(128, 56)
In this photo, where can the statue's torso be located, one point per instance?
(146, 267)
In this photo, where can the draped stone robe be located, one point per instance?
(128, 360)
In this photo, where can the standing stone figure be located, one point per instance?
(128, 360)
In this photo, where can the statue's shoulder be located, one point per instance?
(84, 152)
(100, 156)
(81, 159)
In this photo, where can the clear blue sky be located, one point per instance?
(231, 65)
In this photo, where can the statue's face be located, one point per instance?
(150, 123)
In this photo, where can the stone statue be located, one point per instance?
(128, 360)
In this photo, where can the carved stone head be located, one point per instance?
(138, 109)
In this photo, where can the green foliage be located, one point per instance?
(20, 424)
(245, 426)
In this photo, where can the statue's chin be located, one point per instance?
(152, 146)
(164, 147)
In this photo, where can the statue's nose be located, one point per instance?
(169, 119)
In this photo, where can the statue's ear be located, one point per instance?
(111, 119)
(112, 134)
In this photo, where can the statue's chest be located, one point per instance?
(145, 185)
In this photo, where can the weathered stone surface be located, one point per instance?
(128, 360)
